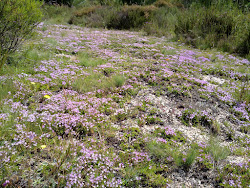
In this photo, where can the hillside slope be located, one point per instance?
(105, 108)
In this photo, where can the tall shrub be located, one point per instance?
(18, 18)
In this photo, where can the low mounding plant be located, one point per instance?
(18, 18)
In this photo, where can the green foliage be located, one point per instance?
(18, 18)
(186, 159)
(215, 27)
(119, 80)
(96, 81)
(245, 129)
(159, 151)
(108, 71)
(6, 87)
(242, 4)
(92, 82)
(87, 61)
(217, 151)
(85, 11)
(60, 2)
(131, 17)
(57, 14)
(241, 94)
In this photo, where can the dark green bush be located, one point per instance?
(131, 17)
(133, 2)
(18, 18)
(60, 2)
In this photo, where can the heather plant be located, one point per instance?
(18, 20)
(235, 175)
(196, 118)
(68, 123)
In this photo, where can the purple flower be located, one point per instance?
(6, 183)
(231, 182)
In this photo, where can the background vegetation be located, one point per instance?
(202, 24)
(83, 107)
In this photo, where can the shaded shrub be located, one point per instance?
(131, 17)
(18, 18)
(60, 2)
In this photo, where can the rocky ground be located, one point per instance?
(103, 108)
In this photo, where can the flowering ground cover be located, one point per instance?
(102, 108)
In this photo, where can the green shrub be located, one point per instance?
(224, 28)
(87, 61)
(94, 16)
(119, 80)
(57, 14)
(186, 159)
(85, 11)
(162, 22)
(131, 17)
(217, 151)
(18, 18)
